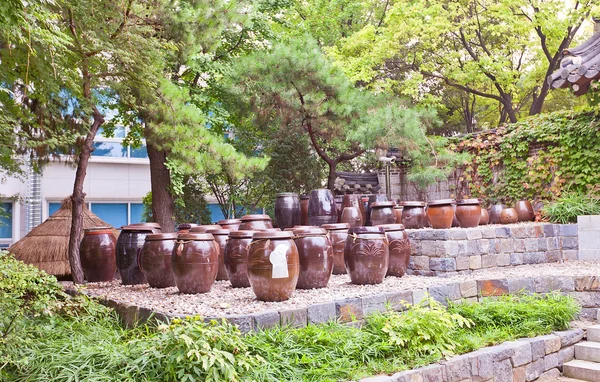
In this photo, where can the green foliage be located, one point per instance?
(568, 206)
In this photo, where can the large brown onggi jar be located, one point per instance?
(350, 216)
(440, 213)
(155, 259)
(185, 227)
(221, 237)
(373, 199)
(154, 226)
(304, 200)
(203, 228)
(98, 254)
(524, 211)
(287, 210)
(485, 217)
(273, 265)
(195, 262)
(255, 222)
(337, 235)
(236, 258)
(509, 216)
(315, 254)
(354, 200)
(366, 255)
(494, 211)
(321, 207)
(382, 213)
(399, 245)
(129, 245)
(413, 214)
(468, 212)
(398, 212)
(230, 224)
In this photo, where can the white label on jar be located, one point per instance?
(279, 260)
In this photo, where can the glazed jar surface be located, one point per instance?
(221, 236)
(304, 200)
(524, 211)
(440, 213)
(351, 216)
(509, 216)
(399, 246)
(315, 254)
(236, 258)
(185, 227)
(129, 245)
(366, 255)
(494, 211)
(255, 222)
(354, 200)
(337, 235)
(485, 217)
(230, 224)
(273, 265)
(97, 252)
(413, 214)
(195, 262)
(373, 199)
(203, 228)
(287, 210)
(382, 213)
(398, 212)
(338, 206)
(468, 212)
(155, 259)
(321, 207)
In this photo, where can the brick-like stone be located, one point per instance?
(519, 245)
(587, 299)
(488, 288)
(443, 293)
(435, 234)
(457, 234)
(551, 343)
(433, 248)
(475, 262)
(552, 243)
(442, 264)
(468, 288)
(415, 247)
(296, 318)
(534, 257)
(457, 369)
(570, 242)
(565, 355)
(408, 376)
(418, 295)
(321, 313)
(522, 354)
(588, 314)
(419, 263)
(519, 374)
(507, 245)
(433, 373)
(567, 229)
(519, 232)
(549, 376)
(245, 323)
(373, 304)
(570, 337)
(494, 246)
(503, 371)
(502, 232)
(399, 300)
(541, 244)
(551, 361)
(502, 259)
(445, 274)
(531, 245)
(570, 254)
(349, 310)
(482, 364)
(545, 284)
(516, 259)
(534, 369)
(488, 233)
(504, 351)
(489, 261)
(462, 263)
(266, 320)
(586, 254)
(587, 283)
(538, 347)
(553, 256)
(474, 233)
(525, 284)
(455, 248)
(549, 230)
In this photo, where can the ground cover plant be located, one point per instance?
(77, 339)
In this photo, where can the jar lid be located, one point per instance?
(254, 217)
(284, 194)
(468, 201)
(241, 234)
(382, 204)
(98, 230)
(304, 197)
(268, 229)
(229, 221)
(391, 227)
(441, 202)
(359, 230)
(219, 231)
(204, 228)
(186, 226)
(138, 228)
(161, 236)
(309, 231)
(273, 235)
(335, 226)
(150, 224)
(412, 204)
(195, 236)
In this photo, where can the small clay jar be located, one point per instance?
(524, 211)
(221, 236)
(413, 214)
(304, 200)
(382, 213)
(185, 227)
(374, 198)
(321, 207)
(236, 258)
(509, 216)
(255, 222)
(468, 212)
(203, 228)
(398, 212)
(354, 200)
(351, 216)
(230, 224)
(485, 217)
(366, 255)
(494, 211)
(287, 210)
(130, 243)
(315, 254)
(273, 265)
(339, 199)
(337, 235)
(399, 245)
(440, 213)
(195, 262)
(155, 259)
(98, 254)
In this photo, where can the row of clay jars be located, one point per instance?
(523, 211)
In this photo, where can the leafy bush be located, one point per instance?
(566, 208)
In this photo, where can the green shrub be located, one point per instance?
(566, 208)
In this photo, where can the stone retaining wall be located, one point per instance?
(441, 252)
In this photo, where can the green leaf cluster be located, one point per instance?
(569, 205)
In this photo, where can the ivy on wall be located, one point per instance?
(536, 159)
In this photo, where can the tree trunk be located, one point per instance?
(332, 174)
(78, 198)
(163, 205)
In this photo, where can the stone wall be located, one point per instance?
(440, 252)
(588, 237)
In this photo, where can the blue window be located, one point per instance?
(109, 149)
(6, 225)
(52, 208)
(215, 212)
(135, 213)
(114, 214)
(139, 152)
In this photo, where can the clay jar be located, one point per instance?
(273, 265)
(321, 207)
(203, 228)
(485, 217)
(236, 258)
(151, 225)
(287, 210)
(382, 213)
(351, 216)
(98, 254)
(399, 245)
(130, 243)
(373, 199)
(185, 227)
(230, 224)
(315, 253)
(195, 262)
(440, 213)
(338, 206)
(353, 200)
(255, 222)
(494, 211)
(468, 212)
(155, 259)
(221, 236)
(413, 214)
(524, 211)
(366, 255)
(304, 200)
(509, 216)
(398, 212)
(337, 235)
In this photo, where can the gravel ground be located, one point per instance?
(224, 300)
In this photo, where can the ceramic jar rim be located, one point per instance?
(137, 228)
(467, 201)
(196, 236)
(204, 228)
(391, 227)
(362, 229)
(149, 224)
(310, 231)
(273, 235)
(241, 234)
(98, 230)
(412, 204)
(382, 204)
(335, 226)
(229, 221)
(253, 217)
(440, 202)
(219, 231)
(304, 197)
(161, 236)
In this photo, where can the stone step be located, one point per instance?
(585, 370)
(588, 351)
(593, 333)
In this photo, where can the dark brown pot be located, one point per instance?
(273, 265)
(221, 236)
(509, 216)
(255, 222)
(185, 227)
(98, 254)
(287, 210)
(440, 213)
(195, 262)
(382, 213)
(351, 216)
(354, 200)
(524, 211)
(494, 211)
(398, 212)
(321, 207)
(230, 224)
(337, 235)
(155, 259)
(366, 255)
(236, 258)
(315, 254)
(485, 217)
(154, 226)
(399, 245)
(468, 212)
(304, 200)
(413, 215)
(203, 228)
(373, 199)
(129, 245)
(338, 206)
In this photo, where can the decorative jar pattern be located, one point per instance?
(366, 255)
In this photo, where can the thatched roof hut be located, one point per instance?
(47, 245)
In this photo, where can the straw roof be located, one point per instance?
(47, 245)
